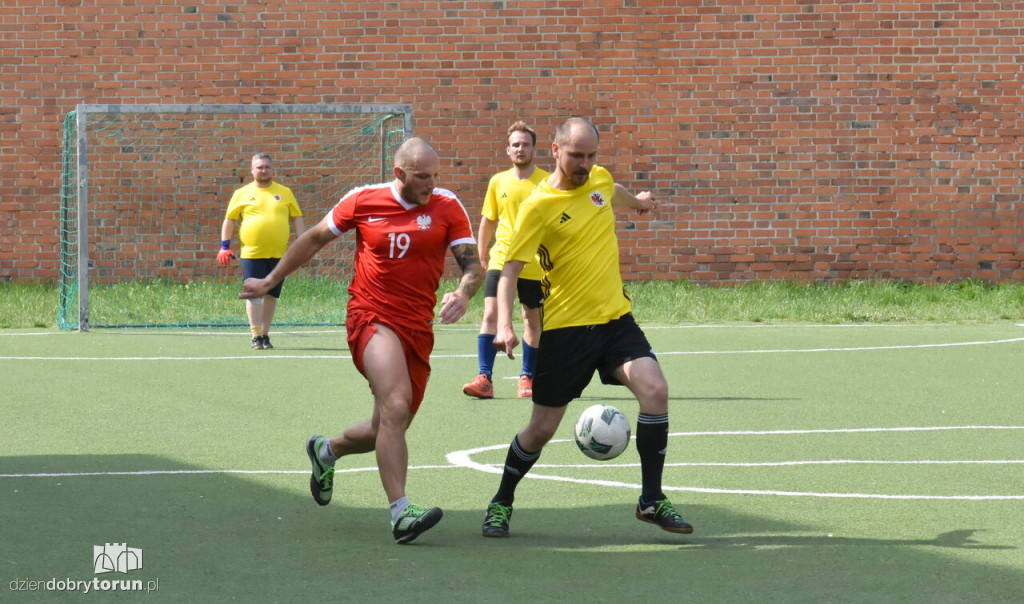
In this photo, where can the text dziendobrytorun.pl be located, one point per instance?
(85, 586)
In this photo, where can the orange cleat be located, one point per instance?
(480, 387)
(525, 386)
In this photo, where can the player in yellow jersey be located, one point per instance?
(264, 208)
(505, 192)
(569, 223)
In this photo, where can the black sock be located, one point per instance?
(651, 442)
(517, 463)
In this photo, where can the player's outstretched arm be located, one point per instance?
(642, 202)
(300, 252)
(453, 304)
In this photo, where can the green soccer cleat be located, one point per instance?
(664, 515)
(414, 521)
(496, 520)
(321, 483)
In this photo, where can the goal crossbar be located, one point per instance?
(78, 186)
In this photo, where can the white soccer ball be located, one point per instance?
(602, 432)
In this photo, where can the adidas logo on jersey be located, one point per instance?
(565, 217)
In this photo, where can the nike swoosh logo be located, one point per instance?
(374, 219)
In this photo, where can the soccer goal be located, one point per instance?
(144, 191)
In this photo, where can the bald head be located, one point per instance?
(573, 128)
(416, 166)
(414, 152)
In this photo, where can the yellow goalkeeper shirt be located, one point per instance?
(264, 216)
(505, 193)
(573, 235)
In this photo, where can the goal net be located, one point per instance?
(144, 192)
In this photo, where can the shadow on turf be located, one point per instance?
(218, 537)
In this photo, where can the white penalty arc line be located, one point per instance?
(464, 459)
(780, 464)
(463, 356)
(842, 430)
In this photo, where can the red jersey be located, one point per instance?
(400, 250)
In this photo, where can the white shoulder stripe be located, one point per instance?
(467, 240)
(448, 193)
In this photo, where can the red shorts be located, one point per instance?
(417, 345)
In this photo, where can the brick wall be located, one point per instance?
(799, 139)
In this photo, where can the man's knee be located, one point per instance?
(394, 410)
(657, 389)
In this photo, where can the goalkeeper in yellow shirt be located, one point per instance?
(263, 208)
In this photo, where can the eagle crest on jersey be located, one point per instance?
(597, 198)
(423, 222)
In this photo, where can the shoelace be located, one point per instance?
(665, 509)
(412, 510)
(499, 515)
(327, 477)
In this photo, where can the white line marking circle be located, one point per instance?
(464, 459)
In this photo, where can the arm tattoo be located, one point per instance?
(472, 273)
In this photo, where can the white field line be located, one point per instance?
(463, 460)
(258, 357)
(777, 464)
(583, 466)
(200, 472)
(453, 328)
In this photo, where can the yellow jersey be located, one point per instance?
(573, 236)
(505, 193)
(264, 216)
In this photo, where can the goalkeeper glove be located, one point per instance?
(225, 255)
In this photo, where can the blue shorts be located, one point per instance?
(258, 268)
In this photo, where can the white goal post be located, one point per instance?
(142, 185)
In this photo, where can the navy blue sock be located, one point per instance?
(485, 351)
(529, 360)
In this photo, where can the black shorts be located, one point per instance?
(530, 294)
(569, 356)
(258, 268)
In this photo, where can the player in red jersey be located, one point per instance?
(403, 230)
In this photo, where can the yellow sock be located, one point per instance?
(255, 332)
